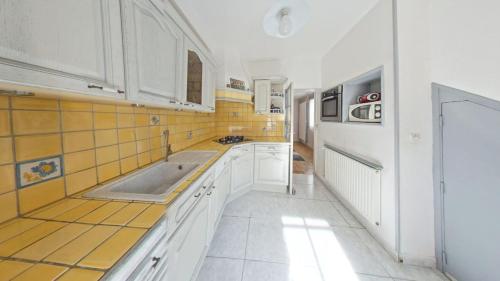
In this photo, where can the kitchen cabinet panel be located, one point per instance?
(70, 45)
(153, 52)
(271, 168)
(262, 96)
(242, 168)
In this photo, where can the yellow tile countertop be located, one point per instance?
(81, 238)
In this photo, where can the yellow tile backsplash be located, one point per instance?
(234, 118)
(37, 146)
(35, 122)
(39, 195)
(77, 161)
(8, 206)
(106, 137)
(7, 176)
(4, 123)
(100, 141)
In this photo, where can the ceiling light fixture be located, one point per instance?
(286, 17)
(285, 25)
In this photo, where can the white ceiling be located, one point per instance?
(237, 25)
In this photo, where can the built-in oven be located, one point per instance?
(331, 105)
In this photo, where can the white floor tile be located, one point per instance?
(395, 269)
(310, 236)
(309, 191)
(272, 240)
(263, 271)
(229, 240)
(346, 214)
(221, 269)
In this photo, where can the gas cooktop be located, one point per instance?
(232, 139)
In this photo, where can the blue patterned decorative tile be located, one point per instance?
(154, 120)
(36, 171)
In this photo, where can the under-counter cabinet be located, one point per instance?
(153, 46)
(272, 167)
(217, 198)
(188, 244)
(242, 169)
(69, 45)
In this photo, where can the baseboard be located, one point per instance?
(270, 188)
(419, 261)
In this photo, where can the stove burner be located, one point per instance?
(232, 139)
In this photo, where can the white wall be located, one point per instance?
(415, 118)
(367, 46)
(450, 42)
(465, 45)
(304, 72)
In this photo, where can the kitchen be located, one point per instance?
(155, 139)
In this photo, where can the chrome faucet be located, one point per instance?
(168, 149)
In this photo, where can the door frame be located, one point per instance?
(445, 94)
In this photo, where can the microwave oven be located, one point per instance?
(331, 105)
(366, 112)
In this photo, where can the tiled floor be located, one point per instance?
(306, 237)
(306, 166)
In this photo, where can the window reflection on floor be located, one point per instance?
(312, 241)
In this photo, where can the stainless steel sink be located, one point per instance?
(156, 182)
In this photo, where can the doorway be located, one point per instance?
(305, 109)
(467, 185)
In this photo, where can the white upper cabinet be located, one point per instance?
(262, 96)
(209, 87)
(71, 45)
(153, 52)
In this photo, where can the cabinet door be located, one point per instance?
(212, 198)
(242, 171)
(271, 168)
(63, 44)
(262, 96)
(209, 87)
(195, 67)
(189, 244)
(153, 52)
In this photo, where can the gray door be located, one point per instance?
(471, 198)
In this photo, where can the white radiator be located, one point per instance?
(356, 180)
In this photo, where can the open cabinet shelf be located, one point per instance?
(370, 82)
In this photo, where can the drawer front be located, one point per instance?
(272, 148)
(153, 264)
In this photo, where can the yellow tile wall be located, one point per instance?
(234, 118)
(97, 141)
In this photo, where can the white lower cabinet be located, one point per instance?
(188, 244)
(242, 168)
(272, 167)
(192, 219)
(217, 198)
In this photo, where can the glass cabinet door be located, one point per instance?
(194, 77)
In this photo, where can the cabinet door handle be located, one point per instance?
(92, 86)
(156, 261)
(213, 187)
(210, 193)
(197, 195)
(105, 89)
